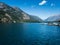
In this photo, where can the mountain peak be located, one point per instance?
(2, 3)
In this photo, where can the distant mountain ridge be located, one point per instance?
(53, 18)
(10, 14)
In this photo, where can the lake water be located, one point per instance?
(29, 34)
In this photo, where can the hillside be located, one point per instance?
(10, 14)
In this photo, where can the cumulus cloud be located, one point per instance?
(43, 2)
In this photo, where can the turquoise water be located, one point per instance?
(29, 34)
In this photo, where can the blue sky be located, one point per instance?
(40, 8)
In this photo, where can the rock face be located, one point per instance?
(10, 14)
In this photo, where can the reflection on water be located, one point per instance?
(11, 34)
(29, 34)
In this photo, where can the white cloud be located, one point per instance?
(43, 2)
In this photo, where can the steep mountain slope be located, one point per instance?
(26, 17)
(7, 13)
(10, 14)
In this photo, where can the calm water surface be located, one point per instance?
(29, 34)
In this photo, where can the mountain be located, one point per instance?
(35, 18)
(10, 14)
(26, 17)
(53, 18)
